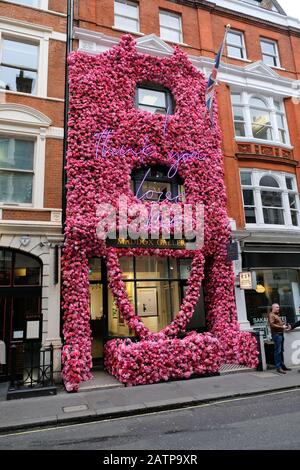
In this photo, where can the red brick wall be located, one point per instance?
(53, 174)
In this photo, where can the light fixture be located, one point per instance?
(260, 289)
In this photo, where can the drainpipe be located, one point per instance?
(69, 48)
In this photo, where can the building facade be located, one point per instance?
(32, 87)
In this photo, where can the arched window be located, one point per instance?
(154, 98)
(269, 182)
(156, 184)
(260, 119)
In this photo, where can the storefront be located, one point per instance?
(277, 269)
(155, 287)
(141, 144)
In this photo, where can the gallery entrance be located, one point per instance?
(155, 287)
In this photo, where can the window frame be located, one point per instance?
(20, 171)
(242, 48)
(137, 20)
(170, 102)
(174, 14)
(245, 104)
(42, 4)
(281, 178)
(276, 56)
(9, 29)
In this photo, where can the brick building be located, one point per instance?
(260, 119)
(32, 71)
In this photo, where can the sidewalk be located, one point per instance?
(107, 402)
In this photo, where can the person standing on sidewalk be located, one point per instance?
(277, 328)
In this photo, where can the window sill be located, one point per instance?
(272, 143)
(19, 93)
(138, 33)
(238, 58)
(174, 42)
(269, 227)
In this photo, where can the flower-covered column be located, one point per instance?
(237, 347)
(76, 355)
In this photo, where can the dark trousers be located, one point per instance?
(278, 349)
(296, 325)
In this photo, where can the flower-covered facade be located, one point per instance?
(103, 102)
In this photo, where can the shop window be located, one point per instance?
(259, 118)
(154, 99)
(170, 26)
(270, 199)
(127, 15)
(274, 286)
(155, 288)
(18, 269)
(157, 184)
(16, 170)
(19, 65)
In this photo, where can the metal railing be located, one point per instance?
(37, 371)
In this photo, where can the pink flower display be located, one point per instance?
(102, 91)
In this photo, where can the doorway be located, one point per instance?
(20, 297)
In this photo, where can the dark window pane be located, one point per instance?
(289, 183)
(292, 199)
(27, 271)
(294, 215)
(23, 307)
(250, 215)
(5, 268)
(126, 264)
(248, 197)
(239, 129)
(269, 181)
(246, 178)
(273, 216)
(95, 269)
(185, 268)
(271, 199)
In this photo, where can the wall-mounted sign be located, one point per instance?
(148, 243)
(33, 327)
(248, 280)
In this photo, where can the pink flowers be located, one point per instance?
(102, 91)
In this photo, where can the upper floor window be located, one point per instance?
(270, 198)
(236, 45)
(269, 51)
(16, 170)
(170, 26)
(157, 184)
(30, 3)
(19, 65)
(127, 15)
(261, 118)
(154, 99)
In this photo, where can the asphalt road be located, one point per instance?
(262, 422)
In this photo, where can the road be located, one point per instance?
(260, 422)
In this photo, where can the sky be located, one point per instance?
(291, 7)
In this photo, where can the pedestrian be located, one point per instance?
(295, 325)
(277, 328)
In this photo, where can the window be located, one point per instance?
(259, 118)
(236, 45)
(22, 155)
(156, 184)
(270, 198)
(154, 99)
(30, 3)
(16, 170)
(127, 15)
(19, 66)
(170, 26)
(269, 51)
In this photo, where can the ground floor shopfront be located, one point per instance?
(277, 269)
(155, 286)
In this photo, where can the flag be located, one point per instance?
(210, 88)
